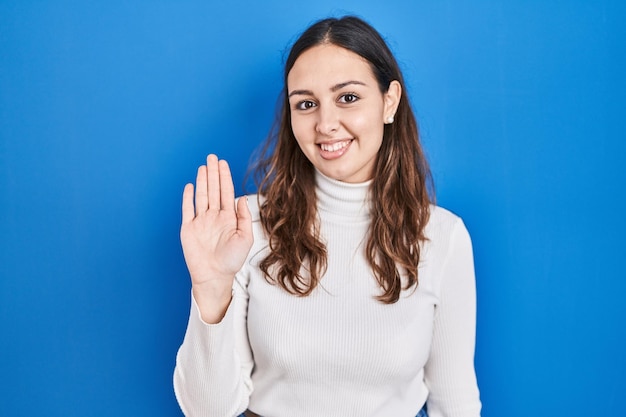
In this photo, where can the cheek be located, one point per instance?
(299, 133)
(362, 121)
(366, 124)
(302, 130)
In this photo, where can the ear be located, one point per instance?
(391, 101)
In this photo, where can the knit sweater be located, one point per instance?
(339, 351)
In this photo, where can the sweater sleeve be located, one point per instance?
(449, 372)
(214, 362)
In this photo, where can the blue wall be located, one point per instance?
(107, 108)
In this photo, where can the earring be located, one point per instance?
(389, 120)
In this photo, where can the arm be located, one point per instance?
(449, 372)
(213, 365)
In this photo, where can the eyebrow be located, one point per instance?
(333, 88)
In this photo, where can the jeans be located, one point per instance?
(422, 413)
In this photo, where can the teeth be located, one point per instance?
(333, 147)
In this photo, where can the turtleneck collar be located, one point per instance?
(348, 200)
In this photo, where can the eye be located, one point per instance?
(305, 105)
(348, 98)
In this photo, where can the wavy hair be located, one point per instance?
(402, 188)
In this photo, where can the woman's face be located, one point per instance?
(338, 112)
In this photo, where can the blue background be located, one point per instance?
(107, 108)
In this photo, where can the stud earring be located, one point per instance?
(389, 120)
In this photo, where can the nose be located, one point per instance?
(328, 120)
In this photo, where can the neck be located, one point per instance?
(349, 200)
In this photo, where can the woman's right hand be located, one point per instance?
(216, 237)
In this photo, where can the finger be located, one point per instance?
(226, 186)
(213, 182)
(244, 218)
(188, 210)
(202, 202)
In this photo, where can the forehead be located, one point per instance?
(328, 64)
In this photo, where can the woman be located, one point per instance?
(340, 289)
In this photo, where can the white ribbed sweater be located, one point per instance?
(339, 352)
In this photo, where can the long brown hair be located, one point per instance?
(401, 189)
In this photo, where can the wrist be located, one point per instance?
(212, 300)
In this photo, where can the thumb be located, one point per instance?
(244, 218)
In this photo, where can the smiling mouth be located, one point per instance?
(335, 150)
(334, 147)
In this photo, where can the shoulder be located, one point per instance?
(442, 221)
(447, 245)
(445, 229)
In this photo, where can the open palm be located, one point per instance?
(216, 233)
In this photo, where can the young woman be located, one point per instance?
(340, 289)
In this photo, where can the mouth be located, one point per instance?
(334, 150)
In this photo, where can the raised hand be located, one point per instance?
(216, 237)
